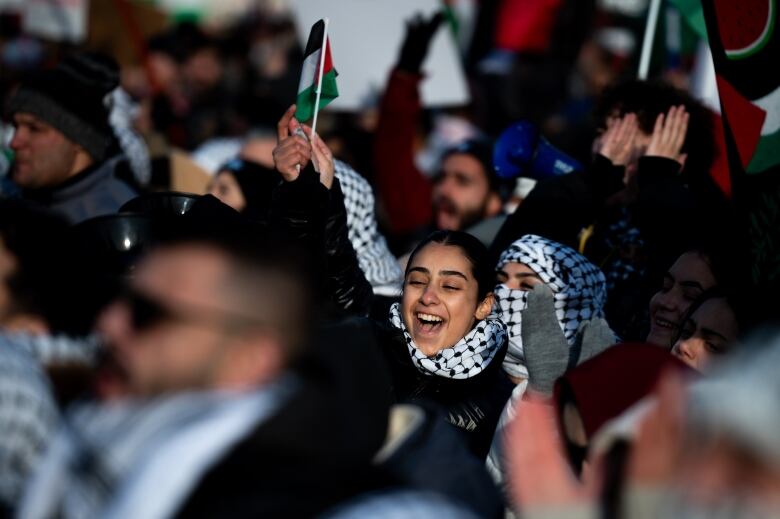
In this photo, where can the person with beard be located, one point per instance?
(232, 408)
(466, 189)
(66, 155)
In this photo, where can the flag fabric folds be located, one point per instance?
(307, 86)
(744, 37)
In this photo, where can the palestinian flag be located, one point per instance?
(307, 87)
(744, 36)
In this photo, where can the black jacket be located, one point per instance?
(473, 405)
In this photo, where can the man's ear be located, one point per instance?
(485, 307)
(254, 360)
(493, 206)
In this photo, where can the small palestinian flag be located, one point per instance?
(307, 87)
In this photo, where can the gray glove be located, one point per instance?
(547, 352)
(544, 345)
(594, 336)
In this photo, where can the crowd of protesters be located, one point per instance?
(207, 309)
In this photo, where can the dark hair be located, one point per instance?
(474, 250)
(716, 292)
(648, 99)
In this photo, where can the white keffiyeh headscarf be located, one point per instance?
(467, 358)
(578, 286)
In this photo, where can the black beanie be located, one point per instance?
(71, 97)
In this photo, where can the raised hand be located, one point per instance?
(617, 143)
(419, 33)
(669, 135)
(322, 157)
(293, 151)
(540, 477)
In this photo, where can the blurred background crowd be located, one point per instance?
(525, 265)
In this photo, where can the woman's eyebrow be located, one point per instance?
(523, 275)
(692, 284)
(453, 273)
(422, 270)
(709, 332)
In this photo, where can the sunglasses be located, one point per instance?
(147, 312)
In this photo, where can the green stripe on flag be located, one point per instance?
(693, 14)
(306, 98)
(767, 153)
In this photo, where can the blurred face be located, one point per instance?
(461, 195)
(170, 332)
(44, 156)
(686, 280)
(518, 276)
(710, 331)
(202, 70)
(439, 304)
(226, 189)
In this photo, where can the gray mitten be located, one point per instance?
(595, 336)
(544, 345)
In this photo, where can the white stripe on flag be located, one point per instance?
(309, 70)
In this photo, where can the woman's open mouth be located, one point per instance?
(428, 324)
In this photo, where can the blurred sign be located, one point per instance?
(366, 37)
(58, 20)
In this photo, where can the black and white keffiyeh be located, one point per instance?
(376, 261)
(579, 289)
(115, 460)
(467, 358)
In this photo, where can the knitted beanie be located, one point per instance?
(71, 97)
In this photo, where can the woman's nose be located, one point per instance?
(429, 296)
(687, 348)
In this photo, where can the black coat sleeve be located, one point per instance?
(346, 282)
(310, 215)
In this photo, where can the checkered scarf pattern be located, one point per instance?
(121, 118)
(377, 263)
(28, 417)
(467, 358)
(579, 289)
(97, 464)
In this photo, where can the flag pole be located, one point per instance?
(647, 43)
(318, 91)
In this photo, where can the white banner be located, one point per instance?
(366, 37)
(58, 20)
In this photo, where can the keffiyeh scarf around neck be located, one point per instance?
(467, 358)
(579, 289)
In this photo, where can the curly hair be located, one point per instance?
(648, 99)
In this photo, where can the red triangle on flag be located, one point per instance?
(744, 118)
